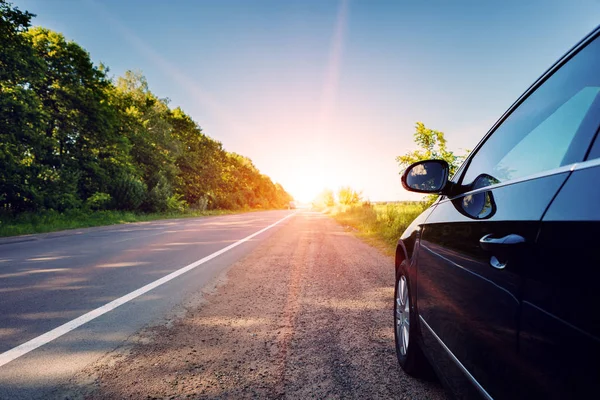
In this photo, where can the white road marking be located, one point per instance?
(55, 333)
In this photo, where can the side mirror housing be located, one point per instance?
(430, 176)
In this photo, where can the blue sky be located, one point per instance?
(326, 93)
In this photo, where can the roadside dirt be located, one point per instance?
(308, 314)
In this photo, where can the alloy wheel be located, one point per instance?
(402, 315)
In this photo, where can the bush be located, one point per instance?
(60, 190)
(128, 192)
(349, 196)
(62, 202)
(158, 197)
(99, 201)
(176, 203)
(201, 204)
(382, 221)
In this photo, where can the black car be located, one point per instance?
(498, 282)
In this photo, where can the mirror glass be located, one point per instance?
(478, 205)
(426, 176)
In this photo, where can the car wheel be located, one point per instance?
(410, 356)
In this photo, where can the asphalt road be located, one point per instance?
(308, 314)
(49, 280)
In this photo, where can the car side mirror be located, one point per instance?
(429, 176)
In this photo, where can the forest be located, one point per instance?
(74, 138)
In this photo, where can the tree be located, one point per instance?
(78, 123)
(325, 199)
(432, 145)
(71, 137)
(20, 113)
(145, 122)
(199, 161)
(349, 196)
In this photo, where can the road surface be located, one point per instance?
(303, 309)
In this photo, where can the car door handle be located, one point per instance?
(501, 247)
(490, 243)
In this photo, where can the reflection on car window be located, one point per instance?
(538, 134)
(550, 139)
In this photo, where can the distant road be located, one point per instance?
(52, 280)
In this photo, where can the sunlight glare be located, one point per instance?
(308, 182)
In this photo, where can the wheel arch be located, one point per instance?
(411, 270)
(401, 255)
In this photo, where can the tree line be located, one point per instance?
(72, 137)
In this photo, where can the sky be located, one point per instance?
(323, 93)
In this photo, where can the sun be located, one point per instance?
(307, 183)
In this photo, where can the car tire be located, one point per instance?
(409, 353)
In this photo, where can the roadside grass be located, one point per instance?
(51, 221)
(379, 224)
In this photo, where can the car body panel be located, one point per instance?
(470, 305)
(559, 339)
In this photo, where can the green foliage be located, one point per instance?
(176, 203)
(60, 190)
(128, 192)
(348, 196)
(72, 138)
(99, 201)
(201, 204)
(158, 197)
(51, 220)
(432, 145)
(20, 114)
(381, 222)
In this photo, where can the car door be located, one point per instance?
(560, 324)
(477, 244)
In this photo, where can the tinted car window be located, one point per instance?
(551, 128)
(595, 150)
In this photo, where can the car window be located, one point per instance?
(595, 149)
(551, 128)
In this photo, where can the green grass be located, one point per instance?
(52, 221)
(379, 224)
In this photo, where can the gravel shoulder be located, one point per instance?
(307, 314)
